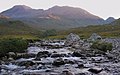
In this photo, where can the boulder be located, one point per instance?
(77, 54)
(95, 70)
(66, 72)
(42, 54)
(95, 37)
(33, 50)
(26, 63)
(58, 62)
(73, 40)
(81, 66)
(67, 61)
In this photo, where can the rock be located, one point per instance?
(95, 70)
(66, 72)
(81, 66)
(42, 67)
(81, 74)
(94, 37)
(26, 63)
(48, 70)
(10, 59)
(11, 53)
(55, 55)
(42, 54)
(73, 40)
(77, 54)
(58, 62)
(33, 50)
(98, 59)
(54, 74)
(67, 61)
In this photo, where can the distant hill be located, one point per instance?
(110, 19)
(107, 30)
(15, 28)
(57, 17)
(116, 22)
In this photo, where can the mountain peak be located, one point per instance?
(21, 7)
(110, 19)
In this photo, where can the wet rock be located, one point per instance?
(81, 66)
(55, 55)
(10, 59)
(54, 74)
(81, 74)
(66, 72)
(98, 59)
(25, 63)
(67, 61)
(42, 54)
(95, 70)
(48, 70)
(33, 50)
(22, 55)
(42, 67)
(58, 62)
(78, 54)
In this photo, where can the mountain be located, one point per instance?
(116, 22)
(57, 17)
(109, 20)
(21, 11)
(4, 17)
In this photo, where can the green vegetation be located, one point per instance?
(47, 33)
(17, 29)
(103, 46)
(102, 30)
(13, 45)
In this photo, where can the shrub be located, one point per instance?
(103, 46)
(47, 33)
(13, 45)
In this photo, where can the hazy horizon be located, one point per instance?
(103, 8)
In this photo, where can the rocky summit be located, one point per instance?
(60, 57)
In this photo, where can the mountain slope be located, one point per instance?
(107, 30)
(15, 28)
(53, 18)
(116, 22)
(110, 19)
(21, 11)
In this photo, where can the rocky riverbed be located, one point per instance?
(58, 57)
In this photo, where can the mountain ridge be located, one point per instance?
(56, 17)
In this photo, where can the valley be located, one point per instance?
(59, 40)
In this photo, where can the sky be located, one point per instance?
(101, 8)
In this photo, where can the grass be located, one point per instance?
(19, 36)
(18, 29)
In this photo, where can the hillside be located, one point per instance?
(107, 30)
(14, 28)
(57, 17)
